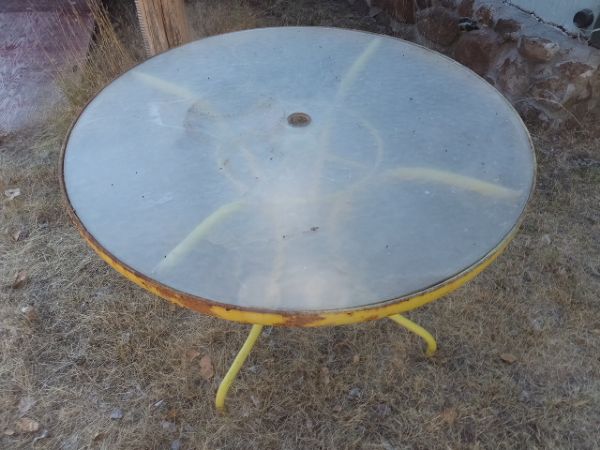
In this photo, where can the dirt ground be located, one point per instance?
(518, 363)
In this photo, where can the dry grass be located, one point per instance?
(97, 342)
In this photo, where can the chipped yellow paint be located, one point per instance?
(294, 318)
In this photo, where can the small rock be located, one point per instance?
(531, 111)
(466, 24)
(438, 25)
(309, 424)
(477, 49)
(27, 425)
(561, 91)
(354, 393)
(383, 410)
(537, 323)
(575, 71)
(513, 76)
(546, 239)
(25, 404)
(176, 445)
(508, 29)
(465, 8)
(12, 193)
(168, 426)
(116, 414)
(325, 375)
(9, 432)
(508, 358)
(485, 15)
(356, 358)
(538, 49)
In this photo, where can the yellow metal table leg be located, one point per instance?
(237, 364)
(418, 330)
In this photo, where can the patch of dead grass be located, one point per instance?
(99, 343)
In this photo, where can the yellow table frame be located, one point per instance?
(260, 318)
(256, 330)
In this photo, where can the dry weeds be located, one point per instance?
(92, 342)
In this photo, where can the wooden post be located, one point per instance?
(163, 23)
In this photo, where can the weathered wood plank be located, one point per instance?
(163, 23)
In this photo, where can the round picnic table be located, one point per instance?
(298, 176)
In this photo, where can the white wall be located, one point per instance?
(559, 12)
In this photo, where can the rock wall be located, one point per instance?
(550, 77)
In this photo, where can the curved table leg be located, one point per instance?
(418, 330)
(237, 364)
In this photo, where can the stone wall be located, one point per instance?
(551, 77)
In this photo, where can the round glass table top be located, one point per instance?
(299, 169)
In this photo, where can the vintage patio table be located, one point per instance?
(298, 176)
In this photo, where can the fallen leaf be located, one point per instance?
(30, 313)
(207, 370)
(25, 404)
(356, 359)
(20, 279)
(449, 415)
(12, 193)
(508, 358)
(99, 436)
(116, 414)
(43, 435)
(27, 425)
(9, 432)
(176, 445)
(17, 235)
(159, 404)
(337, 408)
(325, 375)
(172, 413)
(190, 355)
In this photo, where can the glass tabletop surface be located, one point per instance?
(299, 169)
